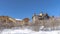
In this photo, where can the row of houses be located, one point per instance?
(8, 22)
(42, 19)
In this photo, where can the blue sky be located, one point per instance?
(26, 8)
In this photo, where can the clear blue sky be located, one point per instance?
(26, 8)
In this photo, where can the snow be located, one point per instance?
(27, 31)
(19, 19)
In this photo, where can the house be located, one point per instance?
(7, 22)
(43, 21)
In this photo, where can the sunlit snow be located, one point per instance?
(27, 31)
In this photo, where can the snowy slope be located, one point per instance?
(27, 31)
